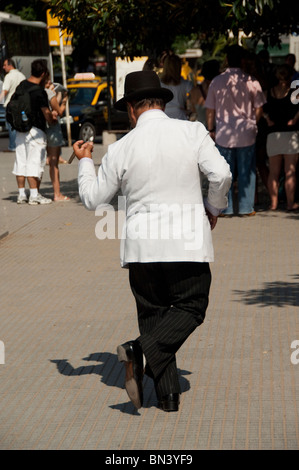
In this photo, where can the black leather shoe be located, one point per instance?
(169, 402)
(131, 354)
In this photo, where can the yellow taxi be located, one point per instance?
(88, 103)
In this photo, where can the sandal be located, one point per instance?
(64, 198)
(295, 208)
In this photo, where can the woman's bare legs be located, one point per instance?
(290, 162)
(53, 156)
(275, 163)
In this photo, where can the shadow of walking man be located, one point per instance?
(110, 369)
(112, 374)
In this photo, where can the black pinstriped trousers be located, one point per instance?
(171, 300)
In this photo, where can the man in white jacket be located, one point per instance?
(167, 245)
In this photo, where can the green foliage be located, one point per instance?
(142, 26)
(30, 10)
(181, 43)
(27, 13)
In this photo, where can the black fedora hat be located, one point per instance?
(141, 85)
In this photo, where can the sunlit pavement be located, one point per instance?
(66, 305)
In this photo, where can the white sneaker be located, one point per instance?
(39, 199)
(22, 199)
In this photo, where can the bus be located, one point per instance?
(24, 41)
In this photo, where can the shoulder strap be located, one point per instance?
(20, 88)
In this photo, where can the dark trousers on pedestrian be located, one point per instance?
(171, 300)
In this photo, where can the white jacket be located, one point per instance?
(159, 167)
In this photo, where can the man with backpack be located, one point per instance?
(31, 139)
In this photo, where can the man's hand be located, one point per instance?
(212, 219)
(83, 149)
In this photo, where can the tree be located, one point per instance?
(31, 10)
(140, 26)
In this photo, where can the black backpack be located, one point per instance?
(20, 101)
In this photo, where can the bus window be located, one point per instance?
(35, 40)
(24, 41)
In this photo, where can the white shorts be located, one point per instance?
(30, 153)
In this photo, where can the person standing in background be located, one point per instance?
(235, 102)
(291, 61)
(31, 146)
(12, 79)
(172, 80)
(198, 94)
(55, 140)
(282, 117)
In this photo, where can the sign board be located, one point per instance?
(54, 31)
(123, 67)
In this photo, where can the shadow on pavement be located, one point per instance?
(113, 375)
(278, 294)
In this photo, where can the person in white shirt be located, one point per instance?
(12, 79)
(167, 243)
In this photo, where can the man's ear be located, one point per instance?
(129, 108)
(131, 113)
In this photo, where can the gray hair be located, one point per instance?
(150, 102)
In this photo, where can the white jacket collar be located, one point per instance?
(151, 114)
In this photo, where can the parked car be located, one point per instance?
(88, 103)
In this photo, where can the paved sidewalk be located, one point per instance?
(66, 305)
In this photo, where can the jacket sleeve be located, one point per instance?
(96, 189)
(216, 169)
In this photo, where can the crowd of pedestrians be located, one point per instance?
(247, 104)
(251, 111)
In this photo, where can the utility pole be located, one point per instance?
(108, 84)
(67, 107)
